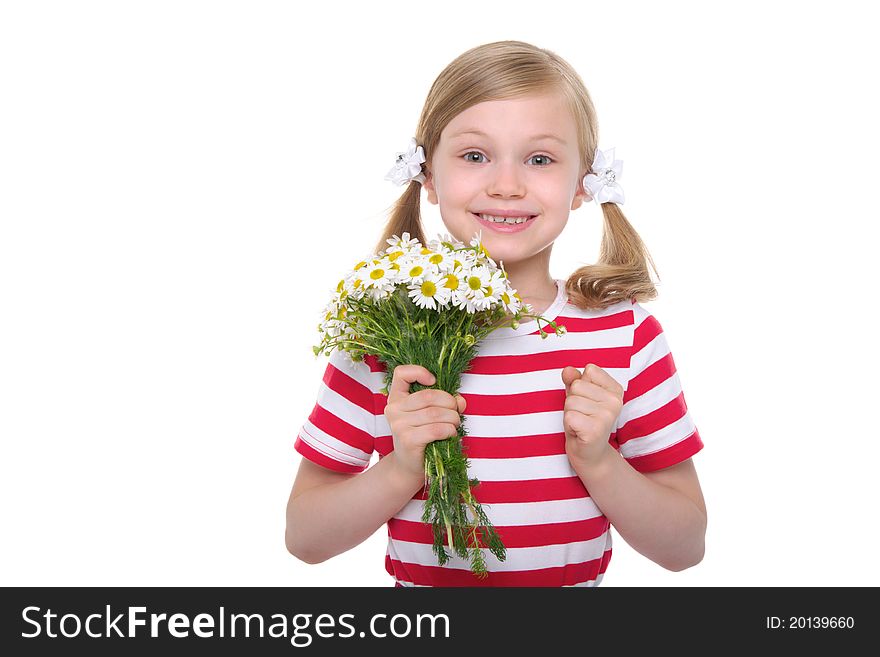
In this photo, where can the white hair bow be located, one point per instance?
(408, 166)
(604, 184)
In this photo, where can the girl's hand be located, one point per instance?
(419, 418)
(593, 401)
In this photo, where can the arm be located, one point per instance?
(330, 512)
(661, 514)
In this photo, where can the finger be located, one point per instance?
(427, 398)
(403, 376)
(583, 405)
(439, 432)
(593, 391)
(602, 378)
(569, 375)
(434, 415)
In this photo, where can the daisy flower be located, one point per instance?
(401, 243)
(430, 293)
(413, 268)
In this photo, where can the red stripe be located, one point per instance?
(551, 444)
(645, 332)
(374, 363)
(444, 576)
(513, 536)
(590, 324)
(533, 490)
(611, 357)
(321, 459)
(539, 401)
(644, 425)
(650, 377)
(664, 458)
(341, 430)
(348, 387)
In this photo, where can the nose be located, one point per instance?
(506, 180)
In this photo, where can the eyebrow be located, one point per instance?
(483, 134)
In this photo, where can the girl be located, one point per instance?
(561, 453)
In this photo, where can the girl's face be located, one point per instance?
(515, 165)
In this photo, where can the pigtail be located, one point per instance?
(405, 217)
(621, 271)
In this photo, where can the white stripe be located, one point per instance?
(529, 558)
(521, 469)
(505, 426)
(649, 354)
(499, 426)
(618, 336)
(670, 435)
(513, 384)
(346, 410)
(332, 447)
(650, 400)
(504, 514)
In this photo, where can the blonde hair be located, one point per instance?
(512, 69)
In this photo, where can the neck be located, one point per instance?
(532, 280)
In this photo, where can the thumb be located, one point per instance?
(570, 375)
(403, 376)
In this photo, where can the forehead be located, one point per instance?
(522, 118)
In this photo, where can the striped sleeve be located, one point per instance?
(654, 429)
(339, 433)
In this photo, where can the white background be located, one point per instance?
(182, 183)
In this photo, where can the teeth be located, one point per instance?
(504, 220)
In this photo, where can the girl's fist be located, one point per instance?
(593, 400)
(419, 418)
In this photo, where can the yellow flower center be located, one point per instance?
(341, 285)
(394, 256)
(415, 271)
(505, 298)
(425, 250)
(436, 259)
(474, 282)
(429, 289)
(359, 265)
(452, 281)
(376, 274)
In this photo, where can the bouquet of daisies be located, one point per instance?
(430, 306)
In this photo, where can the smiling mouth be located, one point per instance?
(505, 221)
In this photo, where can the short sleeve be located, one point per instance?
(654, 429)
(339, 433)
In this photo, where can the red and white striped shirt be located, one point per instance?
(553, 532)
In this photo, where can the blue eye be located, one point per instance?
(546, 157)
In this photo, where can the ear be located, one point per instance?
(581, 194)
(429, 187)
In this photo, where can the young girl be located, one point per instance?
(567, 435)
